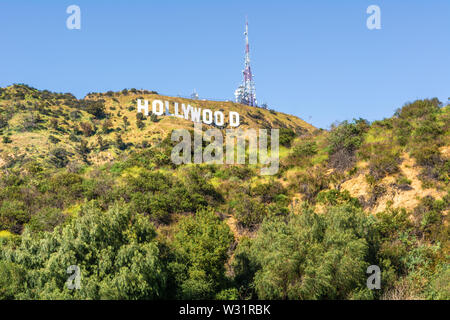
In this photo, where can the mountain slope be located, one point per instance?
(39, 121)
(91, 176)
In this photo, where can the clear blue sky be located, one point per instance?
(314, 59)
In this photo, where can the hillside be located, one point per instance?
(84, 181)
(38, 121)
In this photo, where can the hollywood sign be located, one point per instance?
(217, 152)
(188, 112)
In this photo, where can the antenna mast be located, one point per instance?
(246, 93)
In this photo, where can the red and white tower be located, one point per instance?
(246, 93)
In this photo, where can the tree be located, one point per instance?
(139, 120)
(84, 150)
(106, 126)
(103, 144)
(343, 141)
(200, 245)
(53, 139)
(309, 256)
(54, 124)
(95, 107)
(59, 157)
(12, 280)
(116, 252)
(153, 117)
(126, 123)
(286, 136)
(119, 142)
(3, 122)
(249, 212)
(87, 128)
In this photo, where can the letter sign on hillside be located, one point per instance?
(193, 113)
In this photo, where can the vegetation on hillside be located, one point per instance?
(88, 183)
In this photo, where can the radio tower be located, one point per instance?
(246, 93)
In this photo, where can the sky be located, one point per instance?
(313, 59)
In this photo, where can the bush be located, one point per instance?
(12, 280)
(286, 136)
(427, 155)
(305, 149)
(268, 192)
(418, 109)
(46, 220)
(347, 136)
(301, 154)
(3, 122)
(59, 157)
(310, 183)
(309, 256)
(120, 259)
(434, 166)
(96, 108)
(140, 124)
(429, 218)
(87, 129)
(154, 117)
(335, 197)
(119, 143)
(75, 115)
(402, 131)
(240, 172)
(31, 121)
(13, 215)
(73, 137)
(107, 126)
(249, 212)
(383, 158)
(343, 141)
(53, 139)
(83, 150)
(200, 246)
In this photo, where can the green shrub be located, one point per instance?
(53, 139)
(308, 256)
(418, 109)
(343, 141)
(305, 149)
(120, 259)
(59, 157)
(6, 139)
(13, 215)
(94, 107)
(200, 246)
(46, 220)
(335, 197)
(347, 136)
(268, 192)
(249, 212)
(310, 183)
(12, 280)
(3, 122)
(383, 158)
(286, 136)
